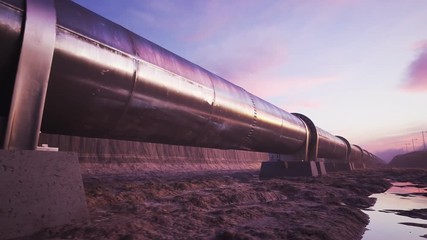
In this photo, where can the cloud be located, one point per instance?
(243, 61)
(250, 55)
(420, 45)
(302, 105)
(219, 36)
(274, 86)
(213, 18)
(255, 60)
(416, 80)
(192, 21)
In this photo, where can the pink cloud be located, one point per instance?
(215, 18)
(201, 20)
(252, 61)
(419, 46)
(274, 86)
(340, 2)
(255, 60)
(301, 106)
(417, 73)
(249, 56)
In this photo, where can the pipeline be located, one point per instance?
(108, 82)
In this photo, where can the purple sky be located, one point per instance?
(357, 68)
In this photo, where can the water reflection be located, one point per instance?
(386, 224)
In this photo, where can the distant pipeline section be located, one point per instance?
(107, 82)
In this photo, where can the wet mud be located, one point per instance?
(229, 205)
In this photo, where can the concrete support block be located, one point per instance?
(321, 168)
(359, 165)
(288, 169)
(352, 166)
(39, 190)
(338, 167)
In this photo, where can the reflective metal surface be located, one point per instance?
(331, 146)
(348, 148)
(29, 91)
(146, 93)
(107, 82)
(10, 37)
(312, 144)
(366, 156)
(356, 153)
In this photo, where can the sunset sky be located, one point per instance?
(357, 68)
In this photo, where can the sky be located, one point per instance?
(356, 68)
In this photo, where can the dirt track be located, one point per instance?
(228, 205)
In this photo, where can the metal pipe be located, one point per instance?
(356, 153)
(331, 146)
(348, 147)
(107, 82)
(366, 156)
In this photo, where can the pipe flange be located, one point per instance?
(312, 136)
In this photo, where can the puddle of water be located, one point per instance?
(385, 224)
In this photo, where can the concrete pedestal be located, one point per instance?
(359, 165)
(288, 169)
(338, 167)
(39, 190)
(321, 168)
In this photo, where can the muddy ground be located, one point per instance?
(229, 205)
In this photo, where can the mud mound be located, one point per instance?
(410, 160)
